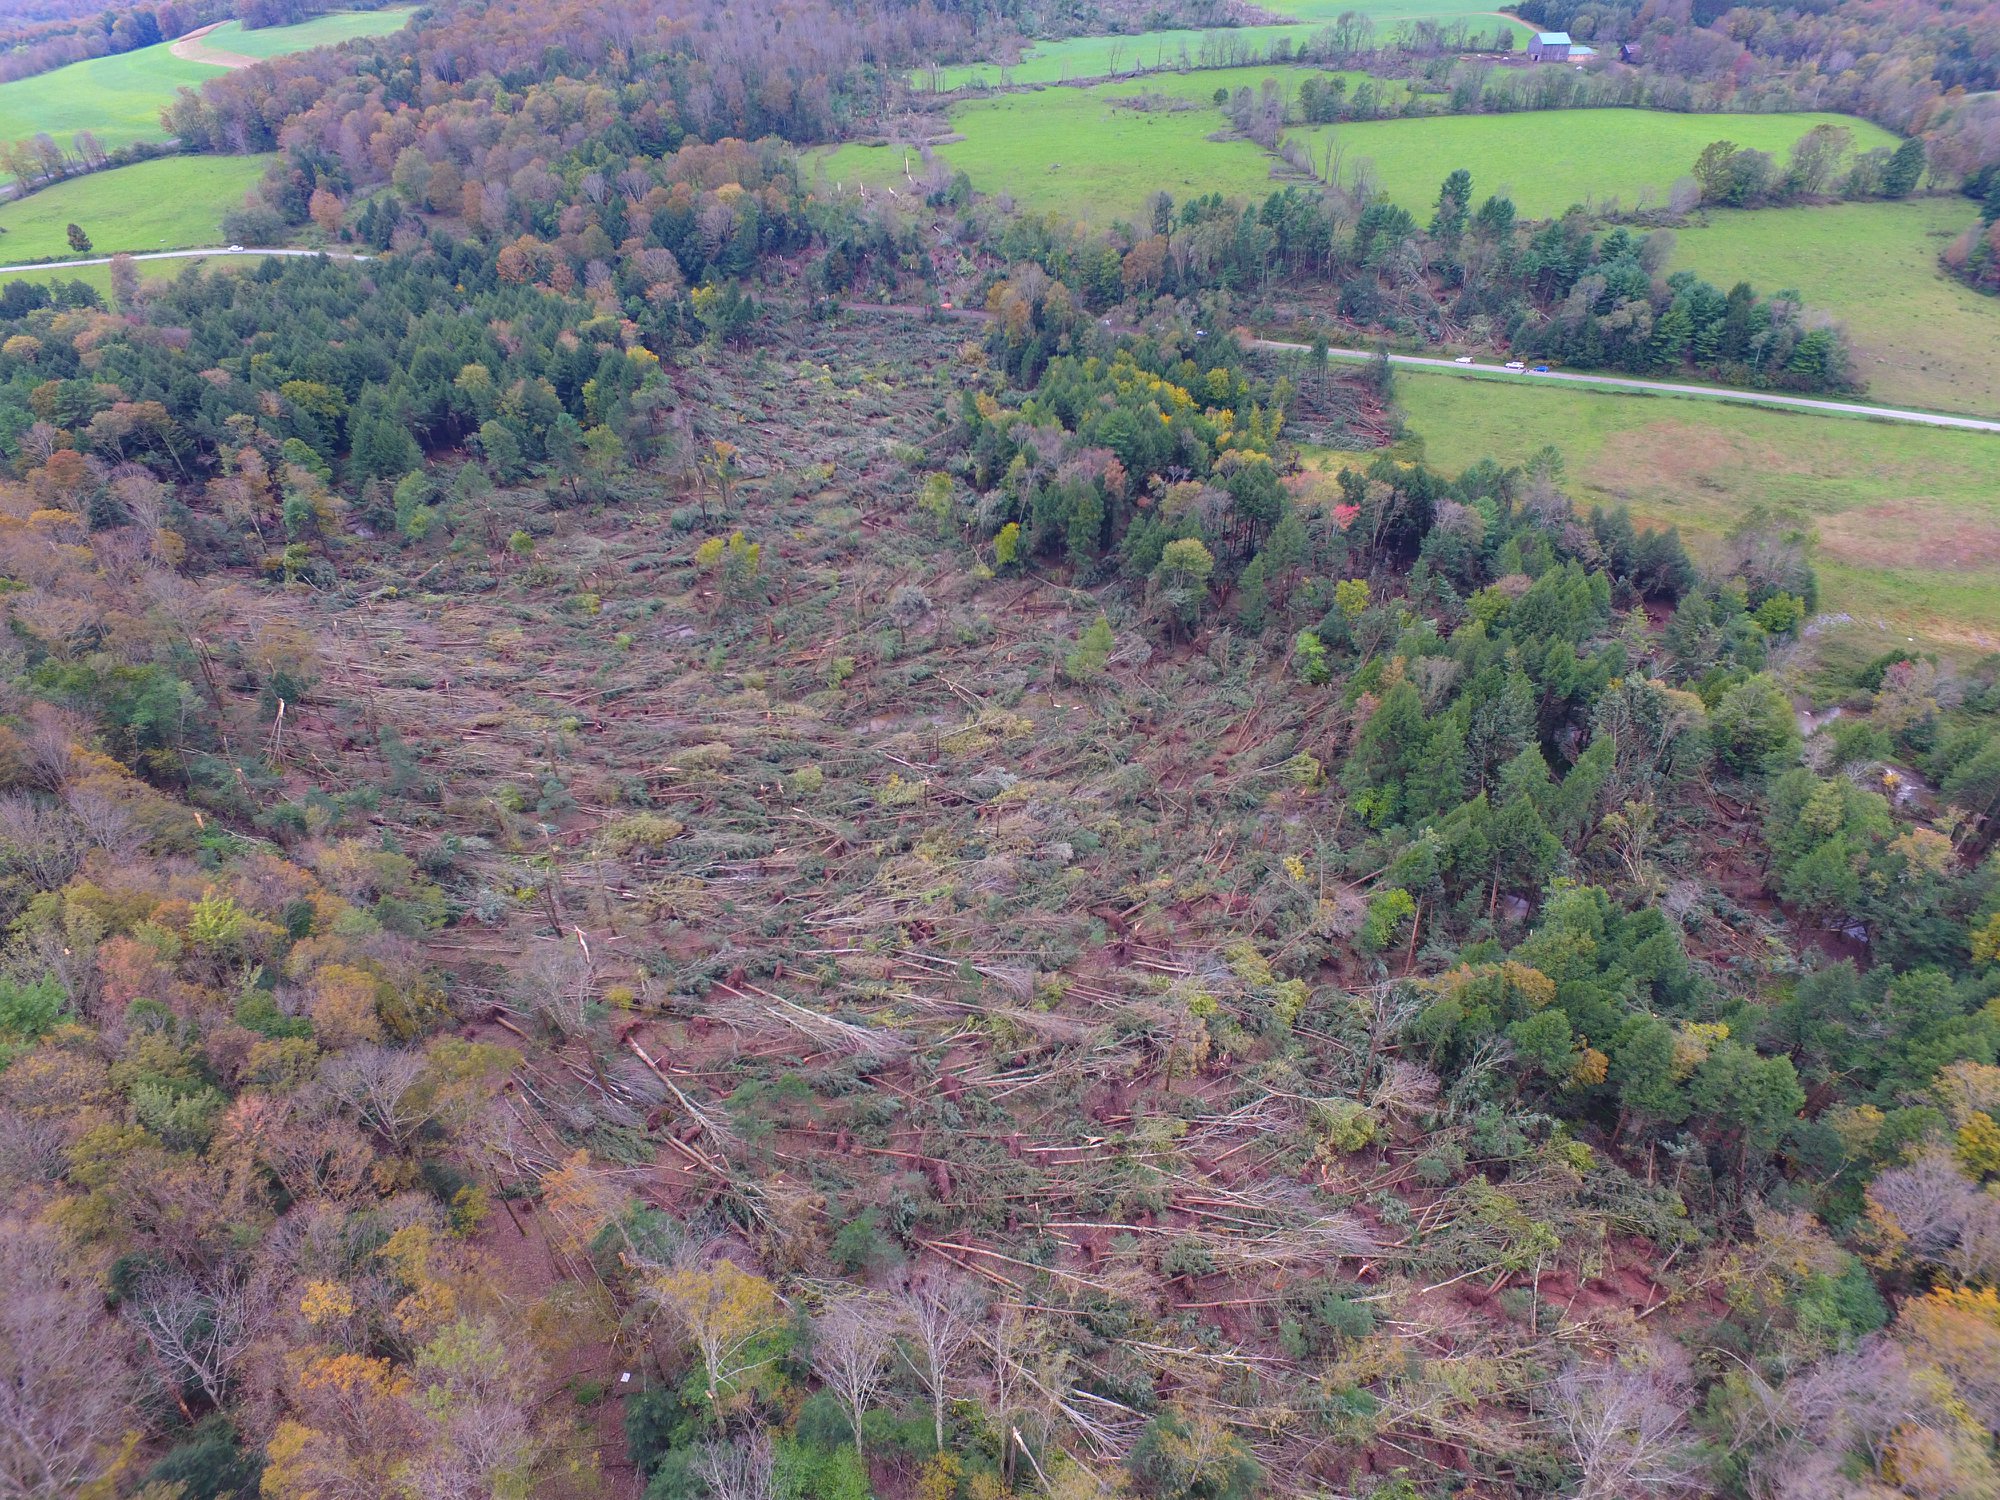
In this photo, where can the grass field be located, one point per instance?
(118, 99)
(1071, 150)
(1550, 160)
(149, 270)
(1922, 339)
(1386, 13)
(1074, 152)
(169, 204)
(1909, 517)
(1104, 56)
(1199, 87)
(1152, 52)
(321, 31)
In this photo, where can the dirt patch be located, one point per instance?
(191, 48)
(1912, 534)
(1680, 458)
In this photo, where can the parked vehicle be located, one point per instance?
(1463, 359)
(1515, 364)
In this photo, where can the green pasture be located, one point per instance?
(173, 203)
(1075, 151)
(321, 31)
(1548, 160)
(1908, 517)
(117, 99)
(1152, 51)
(1199, 87)
(1072, 151)
(149, 270)
(1921, 338)
(1386, 13)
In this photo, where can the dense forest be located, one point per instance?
(638, 861)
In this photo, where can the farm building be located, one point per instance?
(1549, 46)
(1629, 52)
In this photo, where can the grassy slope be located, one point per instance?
(1102, 56)
(1199, 87)
(1923, 339)
(1386, 13)
(169, 204)
(321, 31)
(1072, 151)
(1909, 517)
(117, 98)
(1068, 149)
(149, 270)
(1099, 56)
(1547, 161)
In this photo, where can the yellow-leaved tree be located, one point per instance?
(731, 1317)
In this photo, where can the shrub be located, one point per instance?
(1191, 1457)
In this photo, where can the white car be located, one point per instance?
(235, 249)
(1463, 359)
(1515, 364)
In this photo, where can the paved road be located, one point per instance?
(105, 260)
(1665, 388)
(1602, 382)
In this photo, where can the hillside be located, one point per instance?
(781, 796)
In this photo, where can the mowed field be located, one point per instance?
(1073, 151)
(321, 31)
(1550, 160)
(149, 270)
(1921, 338)
(117, 99)
(174, 203)
(1106, 56)
(1155, 51)
(1909, 517)
(1077, 152)
(1386, 13)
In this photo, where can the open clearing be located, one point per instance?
(119, 99)
(166, 204)
(1074, 151)
(1921, 338)
(1104, 56)
(1199, 86)
(232, 39)
(149, 270)
(1151, 52)
(1077, 152)
(1548, 160)
(1386, 13)
(1909, 517)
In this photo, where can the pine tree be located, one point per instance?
(1905, 167)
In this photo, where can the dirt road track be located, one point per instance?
(191, 48)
